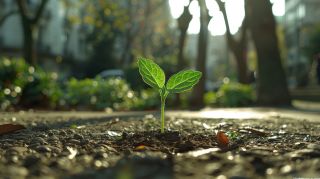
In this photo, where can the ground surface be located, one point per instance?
(266, 143)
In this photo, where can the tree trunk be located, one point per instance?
(238, 48)
(183, 24)
(242, 66)
(271, 85)
(199, 89)
(6, 16)
(29, 25)
(181, 62)
(29, 44)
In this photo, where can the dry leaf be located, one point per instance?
(140, 148)
(9, 128)
(222, 139)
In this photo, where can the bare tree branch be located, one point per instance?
(231, 40)
(7, 15)
(24, 11)
(39, 12)
(238, 47)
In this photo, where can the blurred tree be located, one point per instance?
(5, 16)
(30, 25)
(183, 24)
(5, 13)
(150, 29)
(238, 47)
(131, 31)
(272, 86)
(114, 32)
(313, 47)
(199, 90)
(100, 25)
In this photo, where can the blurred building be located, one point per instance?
(301, 16)
(54, 40)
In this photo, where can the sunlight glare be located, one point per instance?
(217, 25)
(194, 26)
(194, 8)
(177, 6)
(278, 7)
(235, 12)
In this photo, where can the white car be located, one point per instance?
(114, 73)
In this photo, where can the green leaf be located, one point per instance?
(182, 81)
(151, 73)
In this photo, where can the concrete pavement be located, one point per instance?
(207, 113)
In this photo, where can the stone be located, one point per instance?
(39, 140)
(314, 146)
(55, 149)
(286, 169)
(19, 150)
(78, 136)
(213, 168)
(62, 133)
(16, 171)
(31, 161)
(101, 155)
(74, 141)
(43, 149)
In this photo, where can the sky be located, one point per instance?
(235, 13)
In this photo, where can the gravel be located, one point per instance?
(58, 146)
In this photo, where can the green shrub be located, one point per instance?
(22, 85)
(147, 99)
(12, 80)
(41, 90)
(234, 94)
(99, 94)
(210, 98)
(230, 95)
(132, 76)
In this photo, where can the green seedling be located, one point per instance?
(233, 135)
(153, 75)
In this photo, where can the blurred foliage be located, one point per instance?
(210, 98)
(280, 31)
(231, 95)
(148, 99)
(22, 85)
(25, 86)
(99, 94)
(133, 77)
(42, 90)
(114, 33)
(105, 23)
(313, 47)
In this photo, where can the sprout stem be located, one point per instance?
(163, 103)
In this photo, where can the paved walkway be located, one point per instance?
(208, 113)
(253, 113)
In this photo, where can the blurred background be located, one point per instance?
(81, 54)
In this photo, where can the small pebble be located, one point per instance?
(43, 149)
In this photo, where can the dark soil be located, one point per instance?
(79, 147)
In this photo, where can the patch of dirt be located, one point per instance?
(75, 147)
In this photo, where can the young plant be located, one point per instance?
(154, 76)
